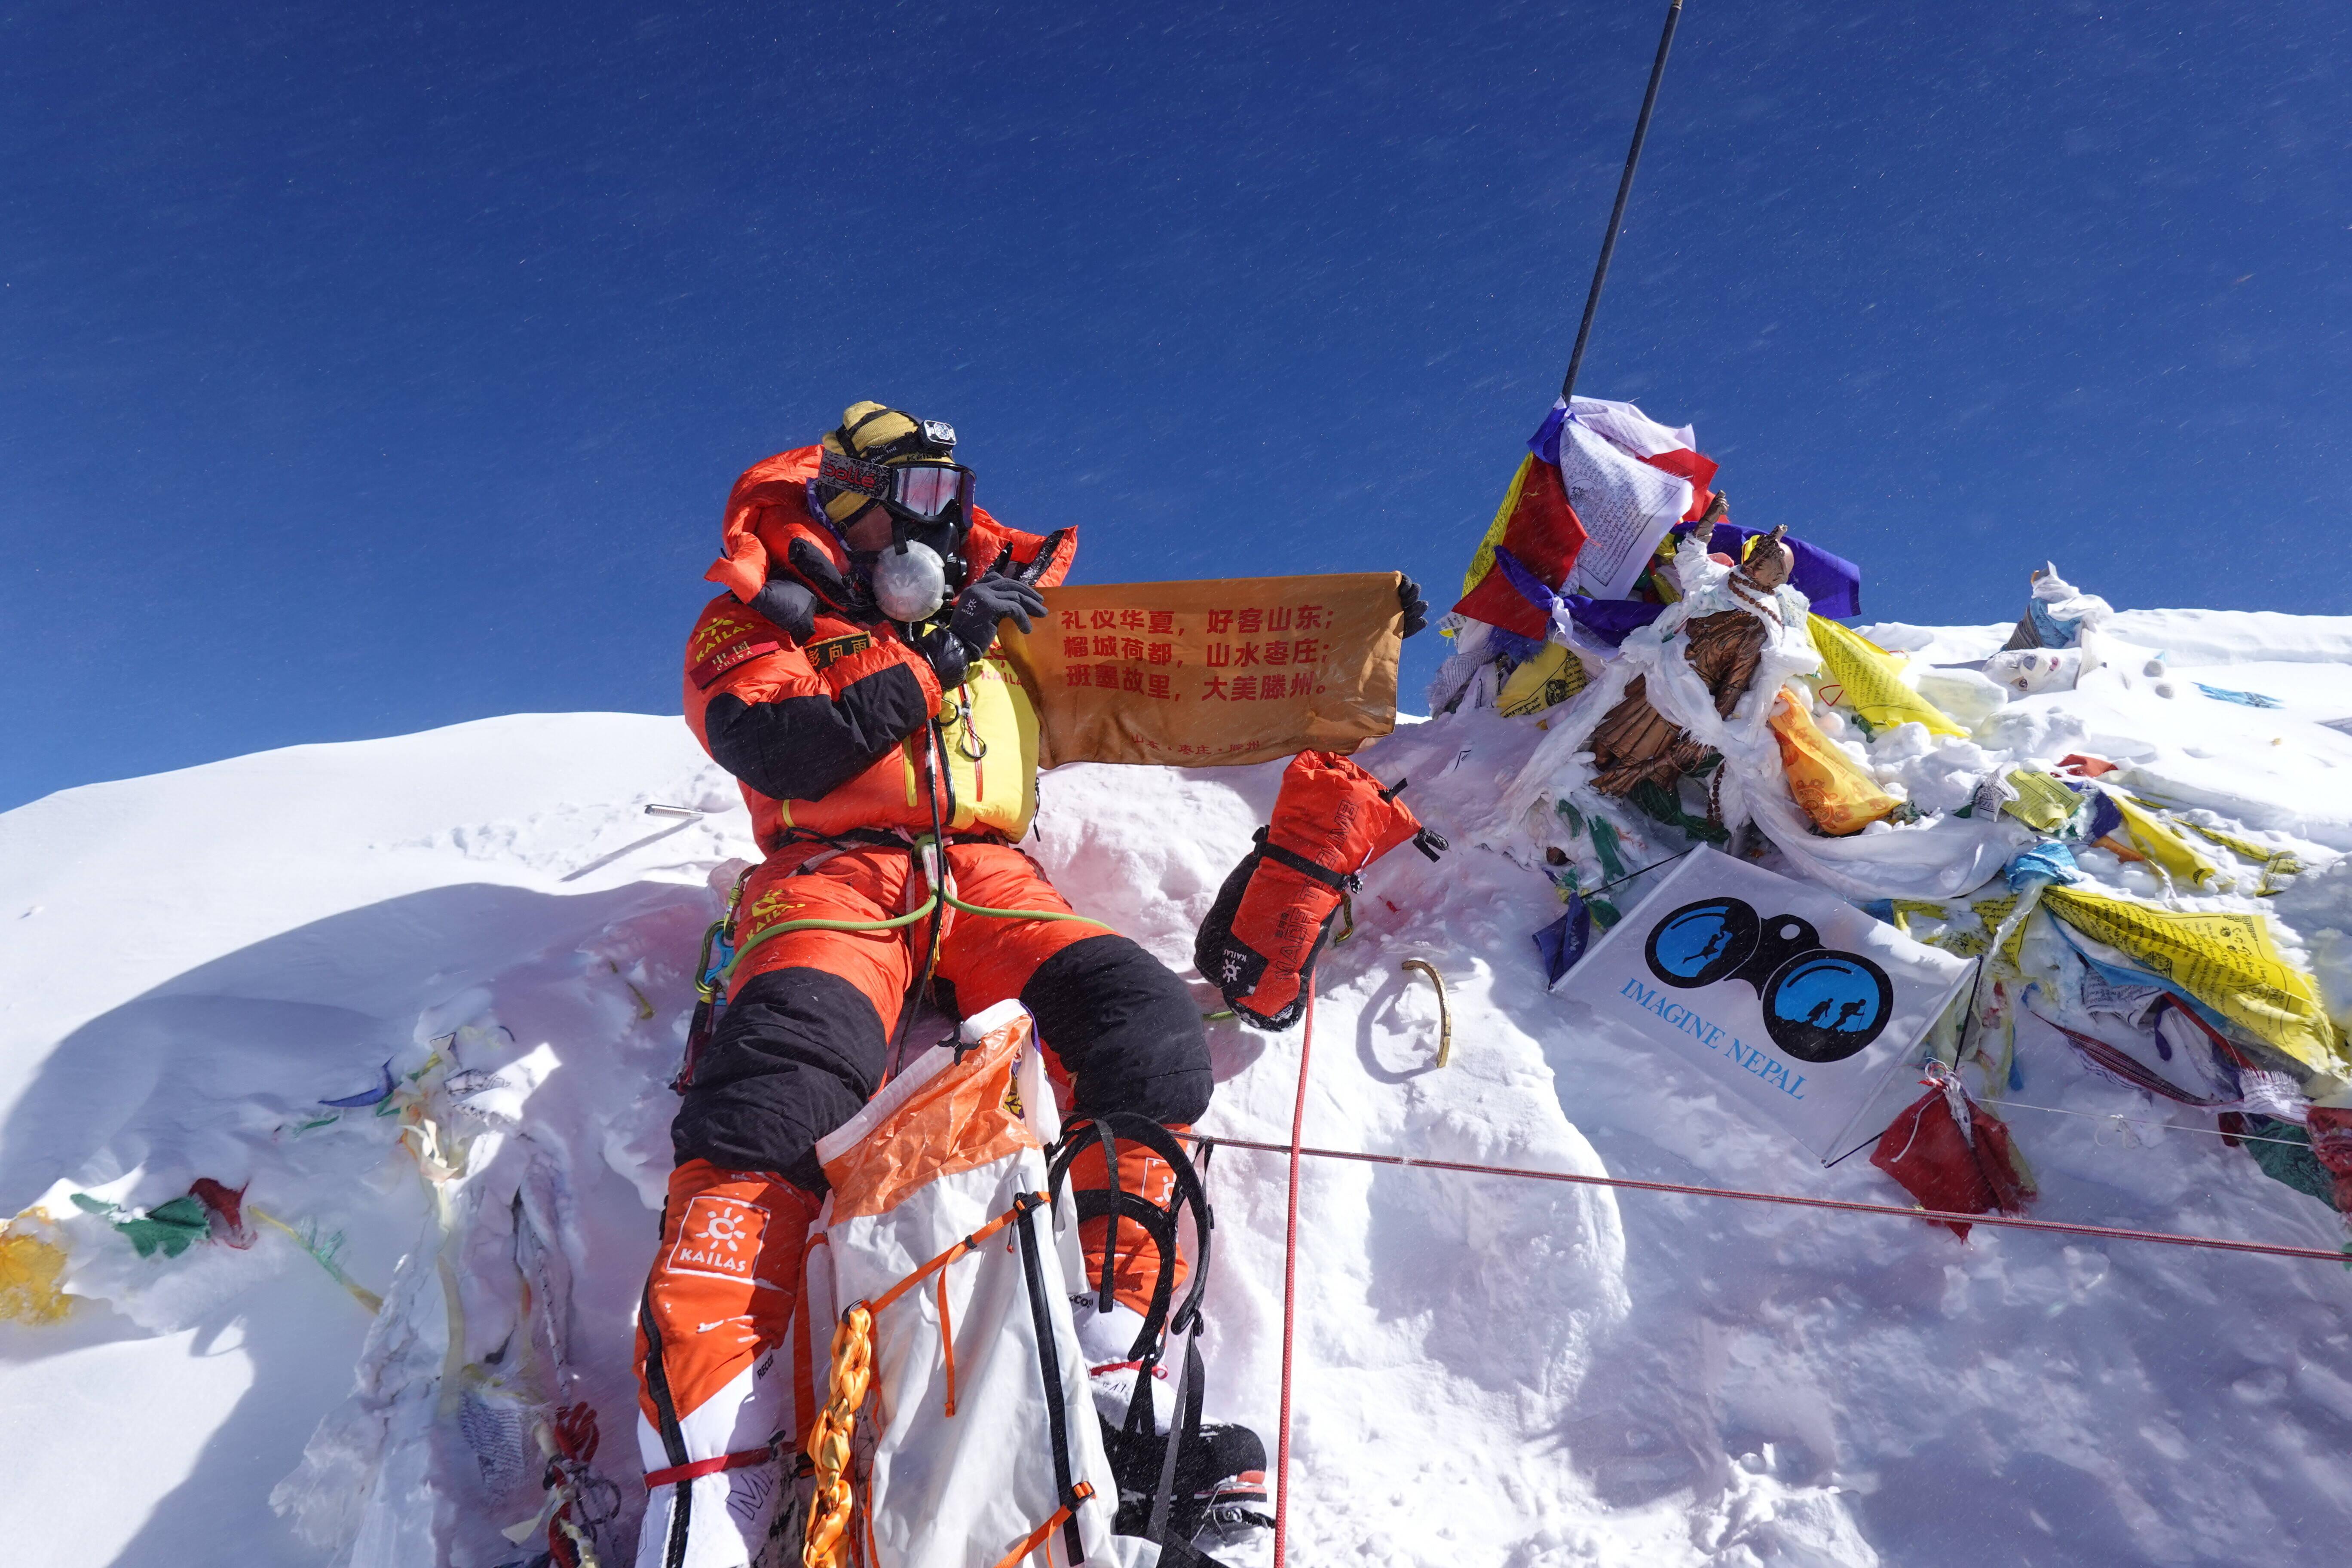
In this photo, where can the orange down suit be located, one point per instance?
(844, 746)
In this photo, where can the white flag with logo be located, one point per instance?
(1787, 999)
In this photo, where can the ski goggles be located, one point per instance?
(922, 490)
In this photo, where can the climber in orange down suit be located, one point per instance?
(848, 678)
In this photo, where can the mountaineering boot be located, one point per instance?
(711, 1396)
(1217, 1496)
(1220, 1499)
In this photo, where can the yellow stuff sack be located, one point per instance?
(1838, 795)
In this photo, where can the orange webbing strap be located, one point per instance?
(947, 1340)
(1039, 1536)
(741, 1459)
(968, 1243)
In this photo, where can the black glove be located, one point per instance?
(1415, 607)
(849, 595)
(970, 630)
(788, 606)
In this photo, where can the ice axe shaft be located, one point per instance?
(1625, 189)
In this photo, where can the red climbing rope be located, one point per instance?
(1289, 1284)
(2015, 1222)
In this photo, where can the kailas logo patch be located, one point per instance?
(720, 1236)
(772, 905)
(742, 651)
(833, 650)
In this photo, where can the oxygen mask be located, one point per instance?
(910, 581)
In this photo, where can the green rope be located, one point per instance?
(956, 903)
(909, 917)
(780, 927)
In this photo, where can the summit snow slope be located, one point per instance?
(1489, 1371)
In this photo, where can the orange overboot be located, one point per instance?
(711, 1398)
(1135, 1271)
(1219, 1492)
(1109, 1337)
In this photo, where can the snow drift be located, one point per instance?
(485, 922)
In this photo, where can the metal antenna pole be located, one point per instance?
(1625, 189)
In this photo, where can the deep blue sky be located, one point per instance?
(368, 369)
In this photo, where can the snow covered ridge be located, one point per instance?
(487, 919)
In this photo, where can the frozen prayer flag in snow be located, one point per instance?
(1794, 1002)
(1584, 511)
(1629, 479)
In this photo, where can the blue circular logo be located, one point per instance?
(1701, 943)
(1824, 1006)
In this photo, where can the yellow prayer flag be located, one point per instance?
(1552, 677)
(1482, 561)
(2225, 958)
(2043, 802)
(1860, 675)
(30, 1268)
(2155, 839)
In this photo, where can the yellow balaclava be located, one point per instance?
(873, 433)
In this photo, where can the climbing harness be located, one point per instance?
(723, 947)
(710, 984)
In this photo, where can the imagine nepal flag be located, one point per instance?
(1789, 999)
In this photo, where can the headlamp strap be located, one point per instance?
(847, 473)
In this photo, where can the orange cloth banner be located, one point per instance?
(1835, 792)
(1212, 674)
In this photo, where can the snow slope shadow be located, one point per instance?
(220, 1072)
(184, 1075)
(1368, 1046)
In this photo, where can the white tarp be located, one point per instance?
(946, 1490)
(1796, 1004)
